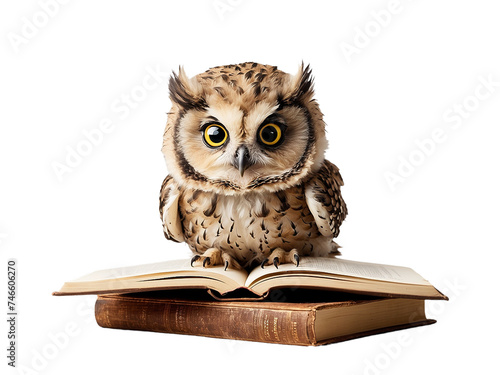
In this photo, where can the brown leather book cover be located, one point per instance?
(264, 321)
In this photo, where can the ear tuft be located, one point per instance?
(300, 89)
(186, 93)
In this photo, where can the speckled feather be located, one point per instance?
(249, 227)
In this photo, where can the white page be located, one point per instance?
(130, 271)
(183, 265)
(344, 267)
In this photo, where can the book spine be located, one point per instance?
(210, 320)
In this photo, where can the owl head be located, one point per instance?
(243, 128)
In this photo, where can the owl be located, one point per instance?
(249, 184)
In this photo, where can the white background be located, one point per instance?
(70, 72)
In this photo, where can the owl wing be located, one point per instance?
(325, 201)
(169, 210)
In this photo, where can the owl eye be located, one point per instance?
(215, 135)
(270, 134)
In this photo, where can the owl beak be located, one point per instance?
(242, 159)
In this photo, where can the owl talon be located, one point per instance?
(280, 256)
(276, 261)
(214, 257)
(194, 259)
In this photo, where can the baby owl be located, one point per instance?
(249, 183)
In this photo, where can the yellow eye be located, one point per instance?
(215, 135)
(270, 134)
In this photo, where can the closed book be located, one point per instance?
(295, 323)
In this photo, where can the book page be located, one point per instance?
(137, 270)
(343, 267)
(171, 266)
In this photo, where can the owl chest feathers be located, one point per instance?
(250, 226)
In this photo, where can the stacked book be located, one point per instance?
(321, 301)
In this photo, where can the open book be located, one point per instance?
(312, 273)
